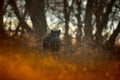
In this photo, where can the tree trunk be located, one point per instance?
(111, 41)
(36, 9)
(88, 20)
(66, 16)
(21, 19)
(102, 23)
(2, 31)
(78, 2)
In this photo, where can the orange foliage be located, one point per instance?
(22, 66)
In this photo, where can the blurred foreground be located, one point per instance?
(25, 64)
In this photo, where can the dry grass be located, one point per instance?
(31, 65)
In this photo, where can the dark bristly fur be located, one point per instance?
(52, 41)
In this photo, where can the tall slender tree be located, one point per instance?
(20, 18)
(2, 31)
(111, 41)
(102, 17)
(79, 22)
(66, 16)
(88, 21)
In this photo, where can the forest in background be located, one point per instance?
(93, 22)
(90, 39)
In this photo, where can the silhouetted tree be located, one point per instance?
(20, 18)
(36, 9)
(102, 17)
(79, 22)
(2, 31)
(66, 11)
(88, 21)
(66, 16)
(110, 43)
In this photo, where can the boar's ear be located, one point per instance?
(52, 31)
(59, 32)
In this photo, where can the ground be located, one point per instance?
(25, 64)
